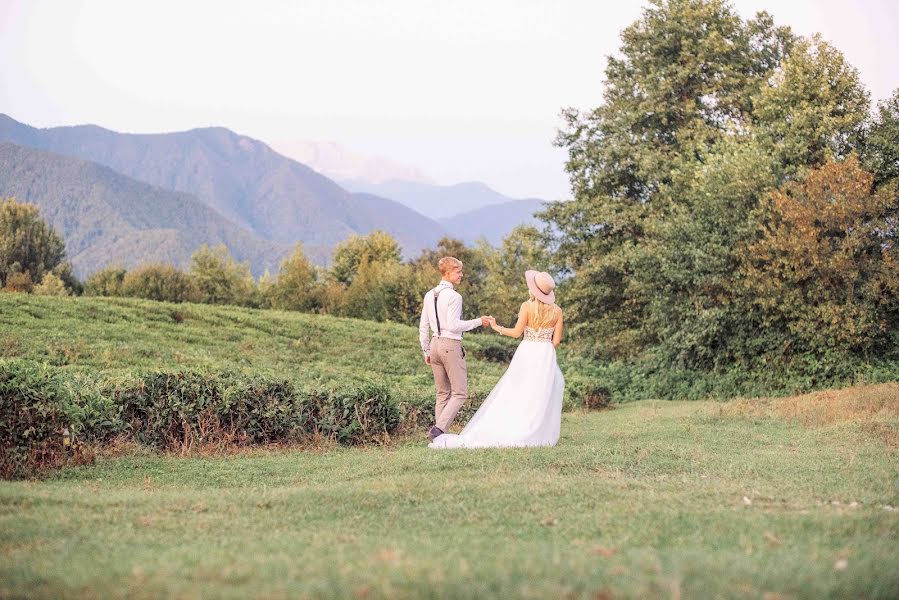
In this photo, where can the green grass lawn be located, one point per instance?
(652, 499)
(112, 335)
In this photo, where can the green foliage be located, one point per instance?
(17, 281)
(51, 285)
(218, 279)
(28, 245)
(367, 280)
(685, 77)
(703, 116)
(363, 412)
(354, 252)
(685, 81)
(880, 149)
(296, 287)
(179, 410)
(66, 274)
(383, 292)
(39, 402)
(688, 263)
(154, 282)
(106, 282)
(34, 408)
(814, 107)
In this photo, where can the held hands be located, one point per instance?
(495, 327)
(486, 320)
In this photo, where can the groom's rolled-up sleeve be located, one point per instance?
(454, 313)
(424, 327)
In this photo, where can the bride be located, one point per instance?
(525, 406)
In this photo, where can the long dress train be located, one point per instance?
(525, 406)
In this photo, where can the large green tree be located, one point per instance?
(28, 245)
(686, 79)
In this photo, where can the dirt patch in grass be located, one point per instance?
(874, 407)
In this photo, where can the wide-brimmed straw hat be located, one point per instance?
(541, 284)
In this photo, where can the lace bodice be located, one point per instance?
(538, 335)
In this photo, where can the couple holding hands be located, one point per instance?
(525, 406)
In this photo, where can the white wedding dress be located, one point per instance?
(525, 406)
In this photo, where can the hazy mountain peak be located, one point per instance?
(339, 162)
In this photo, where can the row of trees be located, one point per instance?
(367, 277)
(735, 202)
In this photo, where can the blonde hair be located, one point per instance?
(541, 314)
(448, 262)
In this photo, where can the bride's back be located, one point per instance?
(542, 315)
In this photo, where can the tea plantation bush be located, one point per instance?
(174, 411)
(34, 407)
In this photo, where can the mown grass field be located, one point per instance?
(652, 499)
(780, 498)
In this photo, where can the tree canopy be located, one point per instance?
(29, 247)
(705, 115)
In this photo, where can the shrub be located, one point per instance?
(494, 350)
(18, 282)
(35, 406)
(586, 392)
(157, 282)
(354, 414)
(179, 410)
(219, 279)
(106, 282)
(173, 410)
(51, 285)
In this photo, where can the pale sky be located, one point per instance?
(464, 90)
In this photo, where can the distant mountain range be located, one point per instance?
(242, 178)
(105, 216)
(493, 222)
(467, 211)
(435, 201)
(131, 198)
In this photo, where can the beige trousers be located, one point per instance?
(450, 378)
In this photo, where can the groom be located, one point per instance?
(441, 313)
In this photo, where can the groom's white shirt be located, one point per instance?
(449, 305)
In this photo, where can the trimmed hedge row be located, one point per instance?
(174, 411)
(180, 410)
